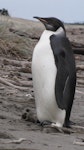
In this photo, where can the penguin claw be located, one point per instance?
(51, 126)
(44, 123)
(72, 123)
(58, 127)
(63, 129)
(69, 124)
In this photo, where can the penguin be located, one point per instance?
(54, 74)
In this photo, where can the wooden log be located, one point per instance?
(16, 63)
(4, 81)
(80, 81)
(21, 83)
(79, 51)
(21, 33)
(80, 67)
(25, 66)
(72, 129)
(79, 141)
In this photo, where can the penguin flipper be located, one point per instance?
(61, 82)
(66, 73)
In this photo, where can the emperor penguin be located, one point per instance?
(54, 74)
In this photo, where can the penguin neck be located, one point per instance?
(61, 32)
(48, 33)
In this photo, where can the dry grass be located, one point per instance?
(20, 44)
(11, 44)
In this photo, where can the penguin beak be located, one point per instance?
(47, 23)
(41, 19)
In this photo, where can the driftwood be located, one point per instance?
(78, 48)
(80, 81)
(19, 82)
(77, 45)
(72, 129)
(79, 85)
(77, 128)
(4, 81)
(80, 92)
(25, 65)
(26, 83)
(19, 141)
(79, 51)
(21, 33)
(80, 67)
(80, 76)
(79, 142)
(25, 69)
(79, 58)
(16, 63)
(63, 129)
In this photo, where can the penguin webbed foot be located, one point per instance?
(68, 124)
(65, 130)
(49, 127)
(44, 123)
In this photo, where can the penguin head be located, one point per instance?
(52, 24)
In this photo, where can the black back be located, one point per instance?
(66, 73)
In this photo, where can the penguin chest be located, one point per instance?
(44, 73)
(44, 76)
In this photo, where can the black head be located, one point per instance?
(51, 23)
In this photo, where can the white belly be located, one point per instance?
(44, 75)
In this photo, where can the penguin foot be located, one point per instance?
(57, 127)
(64, 130)
(69, 124)
(50, 127)
(45, 123)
